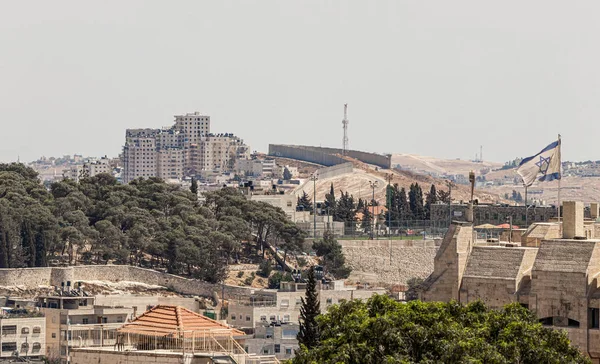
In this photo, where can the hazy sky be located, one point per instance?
(428, 77)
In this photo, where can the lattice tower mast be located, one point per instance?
(345, 126)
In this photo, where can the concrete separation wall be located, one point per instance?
(303, 154)
(334, 171)
(370, 259)
(32, 278)
(326, 156)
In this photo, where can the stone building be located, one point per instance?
(271, 316)
(493, 214)
(558, 280)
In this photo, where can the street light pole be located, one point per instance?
(389, 203)
(314, 179)
(373, 185)
(449, 184)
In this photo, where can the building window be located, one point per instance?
(54, 335)
(286, 318)
(9, 330)
(37, 330)
(85, 321)
(594, 318)
(24, 347)
(298, 301)
(266, 351)
(25, 331)
(329, 301)
(9, 346)
(272, 318)
(285, 303)
(288, 351)
(247, 318)
(119, 318)
(233, 317)
(277, 348)
(36, 347)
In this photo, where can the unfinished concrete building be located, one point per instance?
(556, 277)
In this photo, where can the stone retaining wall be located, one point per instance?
(370, 259)
(54, 276)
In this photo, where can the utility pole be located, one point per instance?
(389, 207)
(449, 184)
(314, 178)
(373, 185)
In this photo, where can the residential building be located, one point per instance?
(172, 334)
(556, 278)
(22, 333)
(287, 203)
(188, 148)
(75, 321)
(264, 311)
(139, 154)
(89, 168)
(275, 338)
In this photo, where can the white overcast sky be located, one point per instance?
(434, 78)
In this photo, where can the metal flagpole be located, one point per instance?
(526, 208)
(560, 174)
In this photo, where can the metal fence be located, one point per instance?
(405, 229)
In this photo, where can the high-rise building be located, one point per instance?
(186, 149)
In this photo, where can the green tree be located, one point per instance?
(194, 186)
(308, 335)
(332, 256)
(415, 197)
(430, 199)
(345, 210)
(305, 202)
(403, 206)
(330, 203)
(382, 330)
(287, 175)
(366, 223)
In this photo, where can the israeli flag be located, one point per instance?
(545, 164)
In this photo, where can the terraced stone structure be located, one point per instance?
(558, 280)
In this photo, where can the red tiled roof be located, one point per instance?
(164, 320)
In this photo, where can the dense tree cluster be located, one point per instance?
(381, 330)
(145, 223)
(402, 205)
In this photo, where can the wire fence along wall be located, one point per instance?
(405, 229)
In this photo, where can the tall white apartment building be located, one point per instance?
(186, 149)
(139, 154)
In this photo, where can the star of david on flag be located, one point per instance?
(544, 166)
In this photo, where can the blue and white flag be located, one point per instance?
(545, 164)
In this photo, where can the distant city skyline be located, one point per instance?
(435, 79)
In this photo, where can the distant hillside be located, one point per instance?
(424, 164)
(357, 184)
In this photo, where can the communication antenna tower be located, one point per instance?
(345, 126)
